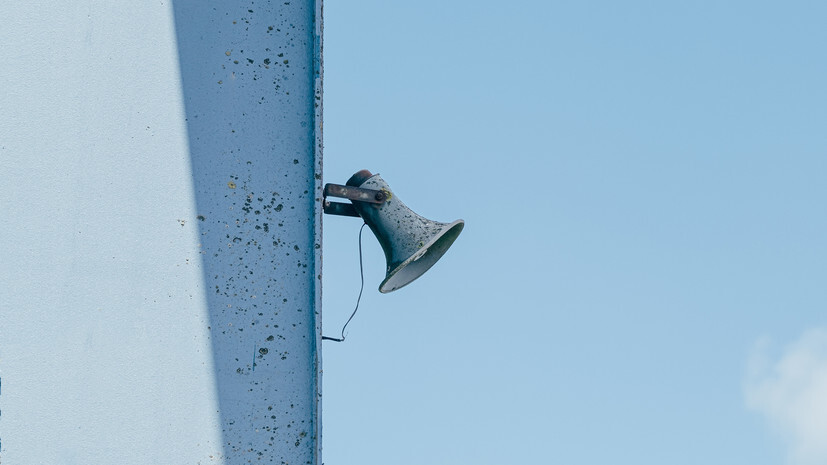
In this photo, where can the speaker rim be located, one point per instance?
(422, 251)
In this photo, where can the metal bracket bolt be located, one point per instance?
(355, 194)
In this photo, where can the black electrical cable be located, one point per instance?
(362, 288)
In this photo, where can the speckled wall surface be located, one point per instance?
(161, 241)
(249, 74)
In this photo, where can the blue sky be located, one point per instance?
(641, 276)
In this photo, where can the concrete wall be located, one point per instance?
(161, 237)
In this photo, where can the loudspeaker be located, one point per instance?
(412, 243)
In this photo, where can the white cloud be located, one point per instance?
(792, 393)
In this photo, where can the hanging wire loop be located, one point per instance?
(361, 288)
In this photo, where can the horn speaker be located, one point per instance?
(412, 243)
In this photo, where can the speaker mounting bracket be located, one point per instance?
(351, 193)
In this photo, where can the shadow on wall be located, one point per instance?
(248, 71)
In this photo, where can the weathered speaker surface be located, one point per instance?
(412, 244)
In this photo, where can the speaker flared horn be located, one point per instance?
(412, 243)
